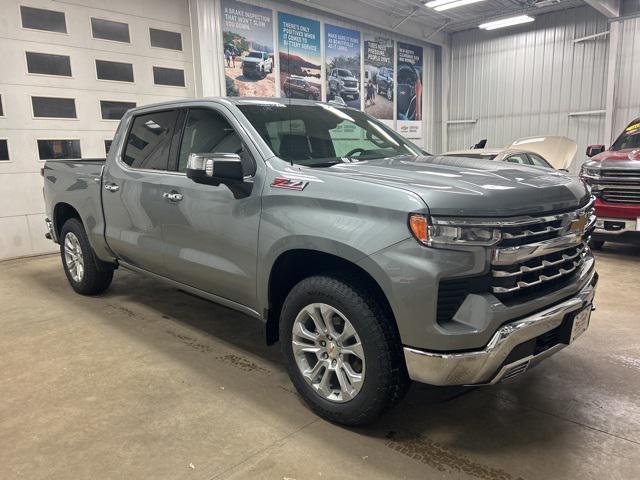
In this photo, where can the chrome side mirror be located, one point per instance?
(215, 168)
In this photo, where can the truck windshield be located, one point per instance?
(255, 55)
(322, 135)
(630, 138)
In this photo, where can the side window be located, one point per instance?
(538, 161)
(149, 140)
(520, 158)
(207, 131)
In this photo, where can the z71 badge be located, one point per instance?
(289, 184)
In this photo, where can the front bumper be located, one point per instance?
(499, 359)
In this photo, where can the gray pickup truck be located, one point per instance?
(371, 261)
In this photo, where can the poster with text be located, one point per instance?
(378, 77)
(300, 59)
(247, 35)
(342, 57)
(409, 90)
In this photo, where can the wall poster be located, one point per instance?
(247, 35)
(409, 77)
(378, 77)
(342, 64)
(300, 59)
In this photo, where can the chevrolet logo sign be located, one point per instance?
(578, 225)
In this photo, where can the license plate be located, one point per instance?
(580, 323)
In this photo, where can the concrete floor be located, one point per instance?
(148, 382)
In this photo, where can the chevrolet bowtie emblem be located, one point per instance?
(578, 225)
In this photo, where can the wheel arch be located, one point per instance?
(293, 265)
(61, 213)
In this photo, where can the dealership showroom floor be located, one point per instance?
(349, 239)
(148, 382)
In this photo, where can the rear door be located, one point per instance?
(133, 188)
(211, 233)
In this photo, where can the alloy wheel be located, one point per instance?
(73, 257)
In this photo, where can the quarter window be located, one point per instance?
(53, 107)
(114, 110)
(165, 39)
(110, 30)
(4, 151)
(115, 71)
(49, 64)
(149, 140)
(41, 19)
(59, 149)
(519, 158)
(172, 77)
(207, 131)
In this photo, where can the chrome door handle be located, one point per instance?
(173, 196)
(112, 187)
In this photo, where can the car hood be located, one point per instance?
(349, 79)
(471, 187)
(558, 151)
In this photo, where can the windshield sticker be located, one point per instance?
(632, 127)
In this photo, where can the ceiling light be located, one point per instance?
(441, 5)
(506, 22)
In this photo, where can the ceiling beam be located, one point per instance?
(608, 8)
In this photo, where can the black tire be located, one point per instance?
(596, 244)
(386, 380)
(97, 275)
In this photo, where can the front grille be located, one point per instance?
(349, 83)
(620, 173)
(620, 194)
(538, 270)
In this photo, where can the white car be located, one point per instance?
(543, 151)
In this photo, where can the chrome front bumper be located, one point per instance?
(626, 226)
(487, 366)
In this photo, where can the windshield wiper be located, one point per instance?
(323, 164)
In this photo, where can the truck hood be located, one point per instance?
(349, 79)
(628, 154)
(471, 187)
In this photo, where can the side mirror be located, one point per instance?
(593, 150)
(215, 168)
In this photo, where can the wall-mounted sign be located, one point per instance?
(342, 59)
(249, 63)
(378, 77)
(300, 58)
(409, 90)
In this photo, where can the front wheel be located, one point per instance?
(86, 274)
(341, 351)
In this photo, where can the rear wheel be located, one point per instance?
(341, 352)
(86, 274)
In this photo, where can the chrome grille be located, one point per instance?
(620, 173)
(540, 252)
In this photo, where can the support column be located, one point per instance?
(208, 51)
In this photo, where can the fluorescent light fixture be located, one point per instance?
(441, 5)
(506, 22)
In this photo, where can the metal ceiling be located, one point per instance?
(468, 16)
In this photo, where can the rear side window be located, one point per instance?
(207, 131)
(149, 140)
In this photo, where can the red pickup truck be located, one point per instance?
(614, 176)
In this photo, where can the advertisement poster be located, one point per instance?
(378, 77)
(342, 57)
(409, 90)
(247, 35)
(300, 59)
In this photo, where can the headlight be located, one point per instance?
(437, 232)
(589, 173)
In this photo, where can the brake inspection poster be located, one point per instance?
(409, 90)
(247, 35)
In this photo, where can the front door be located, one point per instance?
(211, 232)
(133, 187)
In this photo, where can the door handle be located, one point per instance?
(173, 196)
(112, 187)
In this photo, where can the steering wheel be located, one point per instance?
(354, 151)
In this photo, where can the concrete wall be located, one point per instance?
(21, 205)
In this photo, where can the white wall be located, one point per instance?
(627, 90)
(526, 80)
(21, 206)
